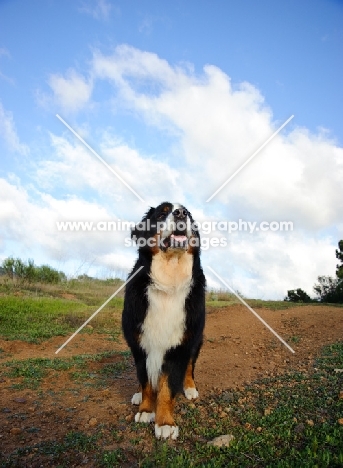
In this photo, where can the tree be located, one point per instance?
(339, 256)
(297, 295)
(329, 289)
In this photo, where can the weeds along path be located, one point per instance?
(237, 348)
(79, 401)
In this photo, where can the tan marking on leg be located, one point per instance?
(148, 399)
(189, 381)
(165, 403)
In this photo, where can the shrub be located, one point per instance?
(17, 270)
(297, 295)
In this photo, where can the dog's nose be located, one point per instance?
(180, 213)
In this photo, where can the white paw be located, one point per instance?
(145, 417)
(163, 432)
(136, 398)
(191, 393)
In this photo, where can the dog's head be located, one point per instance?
(168, 227)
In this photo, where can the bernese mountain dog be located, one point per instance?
(164, 313)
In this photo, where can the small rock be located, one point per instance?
(267, 411)
(93, 422)
(309, 422)
(340, 421)
(15, 430)
(222, 441)
(259, 429)
(19, 400)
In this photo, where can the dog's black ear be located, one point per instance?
(140, 228)
(148, 214)
(194, 225)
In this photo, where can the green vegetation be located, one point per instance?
(218, 299)
(298, 295)
(327, 289)
(290, 420)
(294, 420)
(34, 315)
(29, 373)
(27, 272)
(37, 319)
(37, 311)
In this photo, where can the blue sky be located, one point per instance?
(175, 96)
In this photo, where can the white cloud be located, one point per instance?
(98, 9)
(268, 265)
(75, 169)
(215, 126)
(9, 134)
(218, 125)
(258, 265)
(28, 228)
(71, 92)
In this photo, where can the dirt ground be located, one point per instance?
(237, 349)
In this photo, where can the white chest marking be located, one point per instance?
(164, 324)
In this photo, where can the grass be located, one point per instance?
(288, 421)
(224, 299)
(281, 422)
(89, 291)
(29, 373)
(34, 319)
(34, 313)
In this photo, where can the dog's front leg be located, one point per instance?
(189, 387)
(146, 411)
(146, 399)
(164, 422)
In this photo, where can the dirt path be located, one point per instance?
(237, 349)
